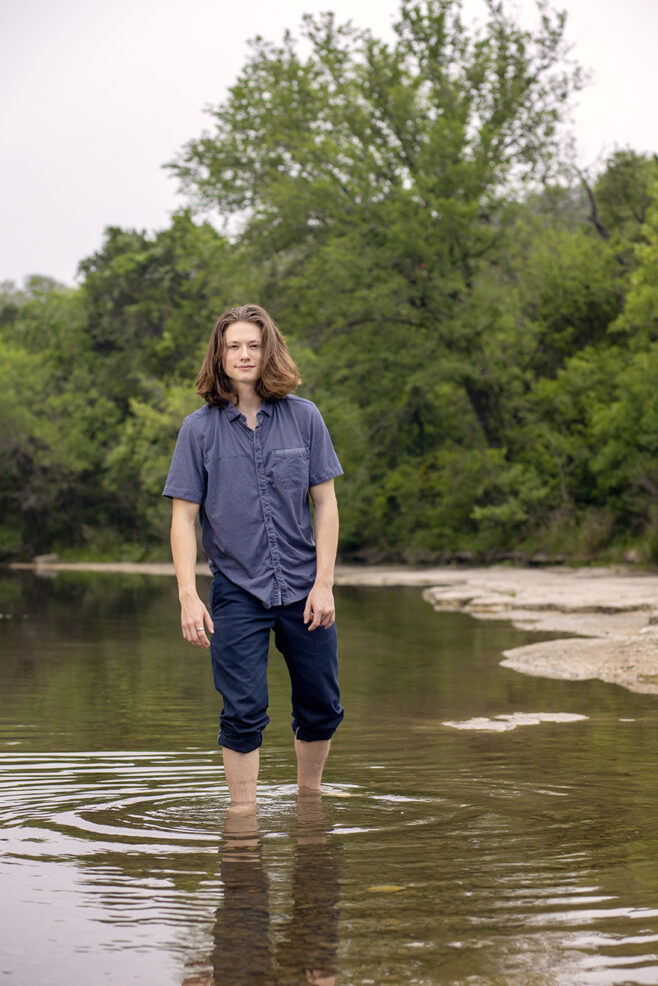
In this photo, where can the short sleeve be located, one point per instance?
(324, 462)
(187, 474)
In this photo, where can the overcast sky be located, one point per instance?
(98, 94)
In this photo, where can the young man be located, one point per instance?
(246, 464)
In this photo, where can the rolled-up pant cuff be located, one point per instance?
(313, 736)
(244, 743)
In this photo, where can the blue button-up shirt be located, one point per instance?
(252, 486)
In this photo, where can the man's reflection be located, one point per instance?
(241, 952)
(247, 950)
(307, 952)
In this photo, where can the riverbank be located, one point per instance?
(609, 616)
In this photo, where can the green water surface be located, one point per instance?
(437, 856)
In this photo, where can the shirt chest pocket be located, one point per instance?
(290, 468)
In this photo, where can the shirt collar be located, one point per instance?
(232, 412)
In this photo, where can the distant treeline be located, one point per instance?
(477, 321)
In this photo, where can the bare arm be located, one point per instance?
(183, 549)
(320, 608)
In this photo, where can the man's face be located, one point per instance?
(242, 354)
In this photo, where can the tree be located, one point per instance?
(479, 334)
(78, 366)
(150, 301)
(373, 177)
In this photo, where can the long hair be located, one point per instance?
(279, 375)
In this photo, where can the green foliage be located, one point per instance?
(624, 194)
(138, 463)
(78, 370)
(148, 301)
(568, 295)
(479, 332)
(639, 320)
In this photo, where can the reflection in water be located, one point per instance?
(241, 952)
(246, 952)
(513, 857)
(308, 950)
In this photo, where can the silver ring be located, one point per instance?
(199, 629)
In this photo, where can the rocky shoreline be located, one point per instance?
(609, 616)
(613, 612)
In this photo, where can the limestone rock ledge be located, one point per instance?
(613, 612)
(630, 660)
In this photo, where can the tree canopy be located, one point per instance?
(475, 319)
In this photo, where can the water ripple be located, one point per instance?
(72, 804)
(514, 871)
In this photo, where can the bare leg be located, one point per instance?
(241, 771)
(311, 758)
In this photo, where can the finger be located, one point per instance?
(307, 611)
(316, 621)
(210, 627)
(327, 616)
(200, 638)
(195, 636)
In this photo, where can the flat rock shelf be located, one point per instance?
(609, 618)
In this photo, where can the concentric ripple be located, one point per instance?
(73, 804)
(494, 880)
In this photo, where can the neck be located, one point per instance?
(248, 399)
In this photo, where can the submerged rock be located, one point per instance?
(504, 723)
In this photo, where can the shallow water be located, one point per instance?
(438, 856)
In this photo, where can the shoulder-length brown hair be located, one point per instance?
(279, 375)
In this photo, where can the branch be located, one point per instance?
(594, 213)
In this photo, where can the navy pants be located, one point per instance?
(239, 648)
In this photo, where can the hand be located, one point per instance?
(320, 608)
(194, 615)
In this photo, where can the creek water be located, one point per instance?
(438, 855)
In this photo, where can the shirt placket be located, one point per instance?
(279, 587)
